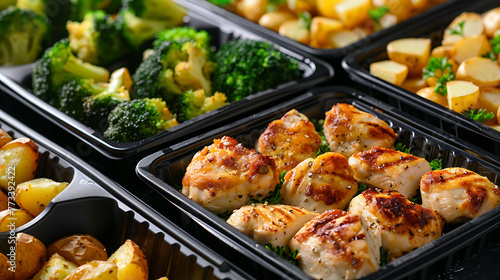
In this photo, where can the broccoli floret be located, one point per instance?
(182, 35)
(165, 10)
(72, 95)
(22, 34)
(59, 66)
(194, 103)
(196, 71)
(98, 39)
(80, 8)
(6, 3)
(58, 13)
(138, 119)
(245, 67)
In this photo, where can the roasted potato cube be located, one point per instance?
(4, 201)
(442, 51)
(489, 99)
(462, 95)
(18, 162)
(420, 5)
(483, 72)
(353, 12)
(6, 270)
(251, 9)
(343, 38)
(56, 268)
(472, 26)
(400, 8)
(390, 71)
(13, 218)
(273, 20)
(95, 270)
(321, 28)
(326, 8)
(34, 195)
(491, 22)
(414, 84)
(4, 137)
(412, 52)
(79, 249)
(30, 256)
(470, 47)
(431, 95)
(131, 262)
(295, 29)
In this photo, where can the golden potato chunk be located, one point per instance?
(483, 72)
(390, 71)
(353, 12)
(343, 38)
(4, 201)
(462, 95)
(321, 28)
(296, 30)
(470, 47)
(30, 256)
(251, 9)
(273, 20)
(430, 94)
(326, 8)
(56, 268)
(442, 51)
(79, 249)
(489, 99)
(13, 218)
(4, 137)
(412, 52)
(34, 195)
(491, 22)
(6, 270)
(466, 25)
(414, 84)
(18, 162)
(95, 270)
(131, 262)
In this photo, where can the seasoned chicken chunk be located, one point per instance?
(289, 140)
(389, 170)
(349, 130)
(403, 225)
(225, 175)
(337, 245)
(458, 194)
(270, 224)
(320, 184)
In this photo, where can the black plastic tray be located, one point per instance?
(330, 55)
(95, 205)
(315, 71)
(357, 66)
(165, 168)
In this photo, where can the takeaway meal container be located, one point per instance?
(165, 169)
(93, 204)
(357, 66)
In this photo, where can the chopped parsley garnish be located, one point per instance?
(384, 257)
(305, 20)
(225, 215)
(221, 3)
(402, 148)
(274, 196)
(440, 68)
(361, 188)
(377, 13)
(458, 29)
(436, 164)
(286, 253)
(324, 147)
(478, 115)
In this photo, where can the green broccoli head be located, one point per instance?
(165, 10)
(138, 119)
(98, 39)
(246, 67)
(22, 35)
(182, 35)
(59, 66)
(172, 69)
(72, 95)
(194, 103)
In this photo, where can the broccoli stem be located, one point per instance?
(86, 70)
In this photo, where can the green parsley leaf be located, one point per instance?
(221, 3)
(436, 164)
(458, 29)
(440, 68)
(305, 20)
(274, 196)
(225, 215)
(361, 188)
(324, 147)
(286, 253)
(377, 13)
(177, 187)
(495, 44)
(384, 257)
(490, 55)
(480, 115)
(402, 148)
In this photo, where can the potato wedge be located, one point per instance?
(6, 271)
(4, 137)
(412, 52)
(34, 195)
(390, 71)
(56, 268)
(430, 94)
(470, 47)
(95, 270)
(414, 84)
(483, 72)
(295, 29)
(472, 26)
(18, 161)
(273, 20)
(353, 12)
(462, 95)
(131, 262)
(18, 218)
(489, 99)
(4, 201)
(30, 256)
(79, 249)
(491, 22)
(321, 28)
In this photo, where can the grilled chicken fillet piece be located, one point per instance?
(403, 225)
(389, 170)
(349, 130)
(458, 194)
(289, 140)
(225, 175)
(337, 245)
(320, 184)
(270, 224)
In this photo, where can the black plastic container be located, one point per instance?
(93, 204)
(357, 66)
(221, 30)
(164, 169)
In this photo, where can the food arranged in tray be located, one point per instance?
(321, 198)
(88, 226)
(176, 68)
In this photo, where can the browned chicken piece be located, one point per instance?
(270, 224)
(320, 184)
(337, 245)
(349, 130)
(403, 225)
(225, 175)
(289, 140)
(458, 194)
(389, 170)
